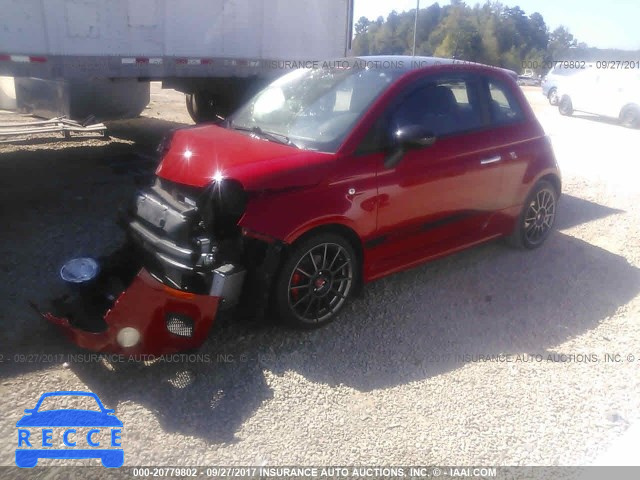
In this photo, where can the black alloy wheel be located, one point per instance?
(537, 218)
(315, 281)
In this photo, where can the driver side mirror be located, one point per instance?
(407, 138)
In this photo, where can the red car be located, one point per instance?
(327, 179)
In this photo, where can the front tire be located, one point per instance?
(316, 280)
(537, 217)
(553, 96)
(565, 107)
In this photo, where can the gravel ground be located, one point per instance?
(398, 380)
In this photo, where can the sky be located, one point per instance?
(612, 24)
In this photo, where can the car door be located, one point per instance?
(438, 198)
(583, 91)
(517, 142)
(613, 91)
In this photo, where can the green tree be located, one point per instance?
(539, 32)
(362, 26)
(461, 38)
(560, 41)
(490, 33)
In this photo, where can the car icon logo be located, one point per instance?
(69, 433)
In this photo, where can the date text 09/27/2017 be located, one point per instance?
(582, 64)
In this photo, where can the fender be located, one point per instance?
(287, 215)
(290, 227)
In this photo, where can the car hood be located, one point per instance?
(69, 418)
(199, 155)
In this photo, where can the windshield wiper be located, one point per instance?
(274, 137)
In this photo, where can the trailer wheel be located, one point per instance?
(205, 107)
(191, 107)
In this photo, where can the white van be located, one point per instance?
(606, 92)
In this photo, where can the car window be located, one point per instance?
(65, 402)
(314, 108)
(504, 108)
(444, 107)
(447, 106)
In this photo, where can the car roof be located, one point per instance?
(406, 59)
(407, 63)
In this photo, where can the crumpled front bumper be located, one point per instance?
(146, 306)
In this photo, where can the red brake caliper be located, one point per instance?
(296, 280)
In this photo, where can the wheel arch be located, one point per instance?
(554, 180)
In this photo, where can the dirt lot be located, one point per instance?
(399, 379)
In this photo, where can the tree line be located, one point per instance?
(492, 33)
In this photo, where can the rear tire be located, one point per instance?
(630, 117)
(316, 280)
(553, 97)
(537, 218)
(565, 107)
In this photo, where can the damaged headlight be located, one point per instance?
(221, 205)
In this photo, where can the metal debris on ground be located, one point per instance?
(55, 125)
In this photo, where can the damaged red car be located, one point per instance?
(327, 179)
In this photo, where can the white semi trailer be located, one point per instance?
(96, 57)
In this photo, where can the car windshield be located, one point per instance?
(69, 402)
(313, 109)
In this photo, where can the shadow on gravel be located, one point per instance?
(144, 131)
(51, 138)
(408, 327)
(597, 119)
(575, 211)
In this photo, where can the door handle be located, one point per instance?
(490, 160)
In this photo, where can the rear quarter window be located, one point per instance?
(505, 109)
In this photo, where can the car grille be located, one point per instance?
(180, 325)
(162, 224)
(184, 194)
